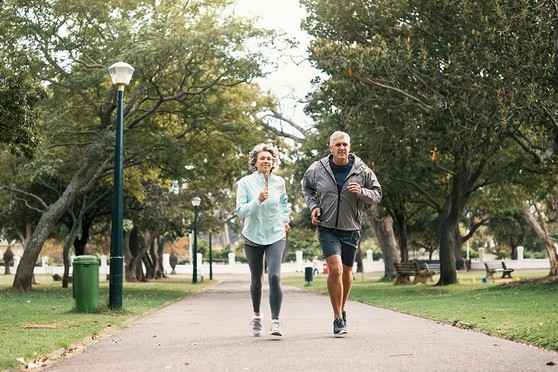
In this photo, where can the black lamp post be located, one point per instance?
(121, 74)
(196, 203)
(210, 260)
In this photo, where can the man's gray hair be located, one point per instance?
(339, 134)
(256, 151)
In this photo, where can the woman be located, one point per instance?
(261, 199)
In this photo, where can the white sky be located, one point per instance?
(294, 74)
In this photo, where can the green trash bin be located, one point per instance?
(86, 282)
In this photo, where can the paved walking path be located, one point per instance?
(210, 331)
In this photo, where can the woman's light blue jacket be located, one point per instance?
(264, 223)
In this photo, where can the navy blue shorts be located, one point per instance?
(342, 242)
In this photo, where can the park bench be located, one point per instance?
(493, 268)
(404, 271)
(430, 269)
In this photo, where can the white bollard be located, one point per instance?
(103, 268)
(369, 256)
(481, 255)
(166, 263)
(520, 249)
(200, 259)
(299, 264)
(232, 257)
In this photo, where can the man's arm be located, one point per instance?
(309, 188)
(371, 193)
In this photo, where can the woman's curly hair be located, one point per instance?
(256, 151)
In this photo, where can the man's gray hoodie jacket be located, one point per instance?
(340, 210)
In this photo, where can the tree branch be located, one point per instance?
(37, 198)
(421, 103)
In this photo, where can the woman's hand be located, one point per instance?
(287, 227)
(264, 194)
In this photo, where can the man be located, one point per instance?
(335, 189)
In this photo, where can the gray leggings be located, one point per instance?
(273, 255)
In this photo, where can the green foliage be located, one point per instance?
(21, 96)
(535, 255)
(305, 240)
(203, 248)
(222, 255)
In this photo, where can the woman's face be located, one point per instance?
(264, 162)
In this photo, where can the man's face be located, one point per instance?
(340, 149)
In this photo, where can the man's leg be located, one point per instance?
(335, 283)
(347, 283)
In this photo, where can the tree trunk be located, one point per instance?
(48, 220)
(386, 239)
(81, 242)
(539, 225)
(72, 237)
(160, 273)
(448, 242)
(149, 260)
(138, 248)
(25, 237)
(458, 252)
(400, 229)
(449, 234)
(154, 256)
(66, 253)
(358, 260)
(134, 246)
(129, 275)
(285, 251)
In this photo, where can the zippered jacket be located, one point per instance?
(340, 209)
(264, 223)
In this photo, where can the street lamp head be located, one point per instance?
(196, 201)
(121, 73)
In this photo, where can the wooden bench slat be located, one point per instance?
(493, 268)
(404, 271)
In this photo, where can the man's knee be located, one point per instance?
(335, 269)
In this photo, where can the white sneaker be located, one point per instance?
(257, 325)
(275, 328)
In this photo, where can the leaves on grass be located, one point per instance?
(40, 326)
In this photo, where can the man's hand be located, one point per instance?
(316, 213)
(355, 188)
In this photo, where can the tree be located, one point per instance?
(188, 107)
(534, 212)
(431, 89)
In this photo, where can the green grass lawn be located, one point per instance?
(522, 310)
(39, 322)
